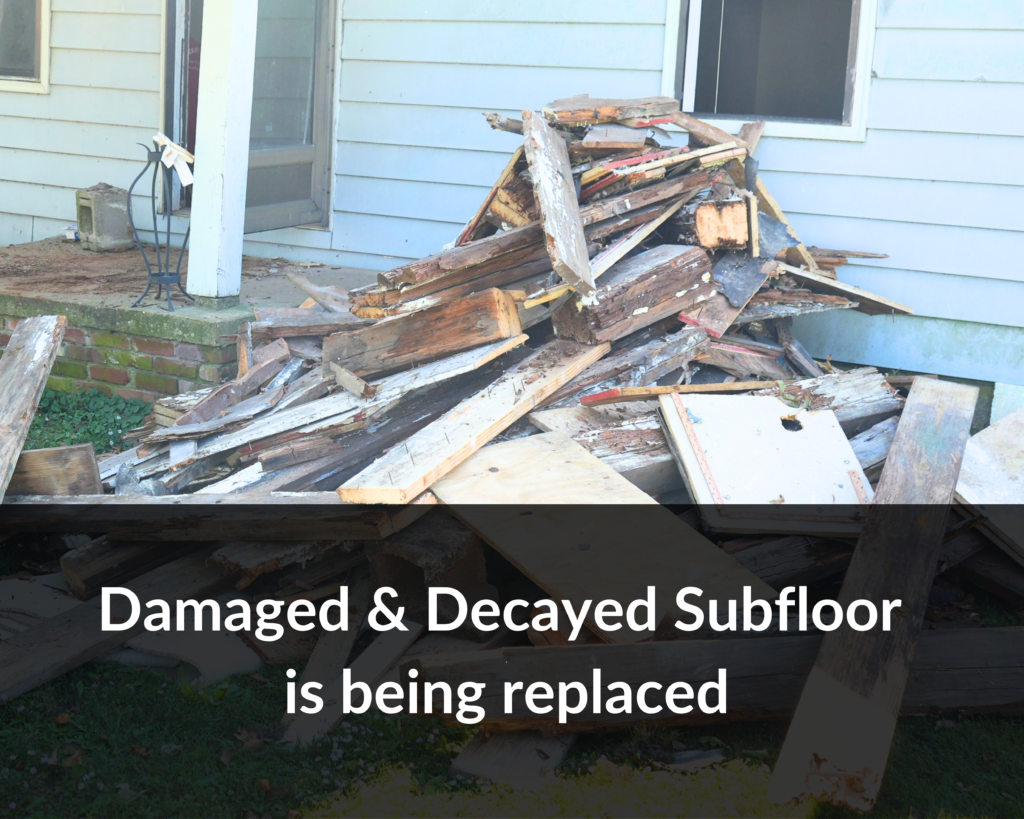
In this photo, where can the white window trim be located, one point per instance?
(40, 85)
(856, 131)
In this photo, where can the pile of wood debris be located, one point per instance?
(613, 327)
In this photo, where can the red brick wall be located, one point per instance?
(133, 366)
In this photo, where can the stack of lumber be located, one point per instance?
(612, 328)
(609, 255)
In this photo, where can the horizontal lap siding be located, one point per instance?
(104, 99)
(415, 156)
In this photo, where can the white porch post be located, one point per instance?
(222, 148)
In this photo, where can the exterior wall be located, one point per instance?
(104, 98)
(936, 184)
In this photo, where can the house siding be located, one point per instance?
(936, 184)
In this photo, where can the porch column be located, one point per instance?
(222, 149)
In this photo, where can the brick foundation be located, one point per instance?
(133, 366)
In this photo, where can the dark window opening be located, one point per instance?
(781, 59)
(20, 21)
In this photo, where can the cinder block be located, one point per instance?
(103, 218)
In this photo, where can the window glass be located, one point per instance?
(774, 58)
(19, 38)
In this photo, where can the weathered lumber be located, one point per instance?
(349, 381)
(424, 336)
(605, 260)
(794, 560)
(273, 358)
(860, 398)
(838, 742)
(332, 299)
(866, 302)
(634, 446)
(578, 553)
(743, 362)
(700, 131)
(635, 293)
(556, 197)
(624, 394)
(614, 136)
(872, 445)
(301, 451)
(715, 224)
(101, 563)
(434, 451)
(472, 229)
(737, 277)
(795, 352)
(990, 482)
(250, 560)
(582, 110)
(308, 324)
(63, 470)
(278, 516)
(43, 652)
(974, 670)
(24, 369)
(801, 306)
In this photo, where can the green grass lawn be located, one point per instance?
(109, 740)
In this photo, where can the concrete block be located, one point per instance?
(103, 218)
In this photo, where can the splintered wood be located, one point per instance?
(838, 743)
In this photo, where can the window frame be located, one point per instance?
(680, 33)
(41, 83)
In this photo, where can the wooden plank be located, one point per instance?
(795, 352)
(434, 451)
(102, 563)
(743, 363)
(750, 134)
(873, 444)
(250, 560)
(553, 186)
(311, 324)
(471, 230)
(636, 293)
(582, 110)
(740, 277)
(951, 670)
(624, 394)
(702, 132)
(866, 302)
(332, 299)
(24, 369)
(44, 652)
(429, 334)
(63, 470)
(588, 550)
(838, 743)
(990, 482)
(614, 136)
(368, 668)
(348, 380)
(605, 260)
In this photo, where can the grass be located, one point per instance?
(66, 418)
(116, 741)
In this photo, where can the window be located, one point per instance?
(803, 65)
(24, 45)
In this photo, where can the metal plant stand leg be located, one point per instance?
(162, 276)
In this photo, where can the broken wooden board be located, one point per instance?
(715, 224)
(622, 395)
(633, 446)
(792, 561)
(700, 131)
(308, 324)
(745, 363)
(556, 197)
(63, 470)
(635, 293)
(605, 260)
(332, 299)
(614, 136)
(795, 351)
(872, 445)
(424, 336)
(349, 381)
(473, 227)
(866, 302)
(586, 547)
(582, 110)
(102, 563)
(738, 452)
(737, 277)
(524, 760)
(247, 560)
(55, 646)
(367, 668)
(24, 369)
(991, 482)
(838, 743)
(434, 451)
(860, 398)
(951, 670)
